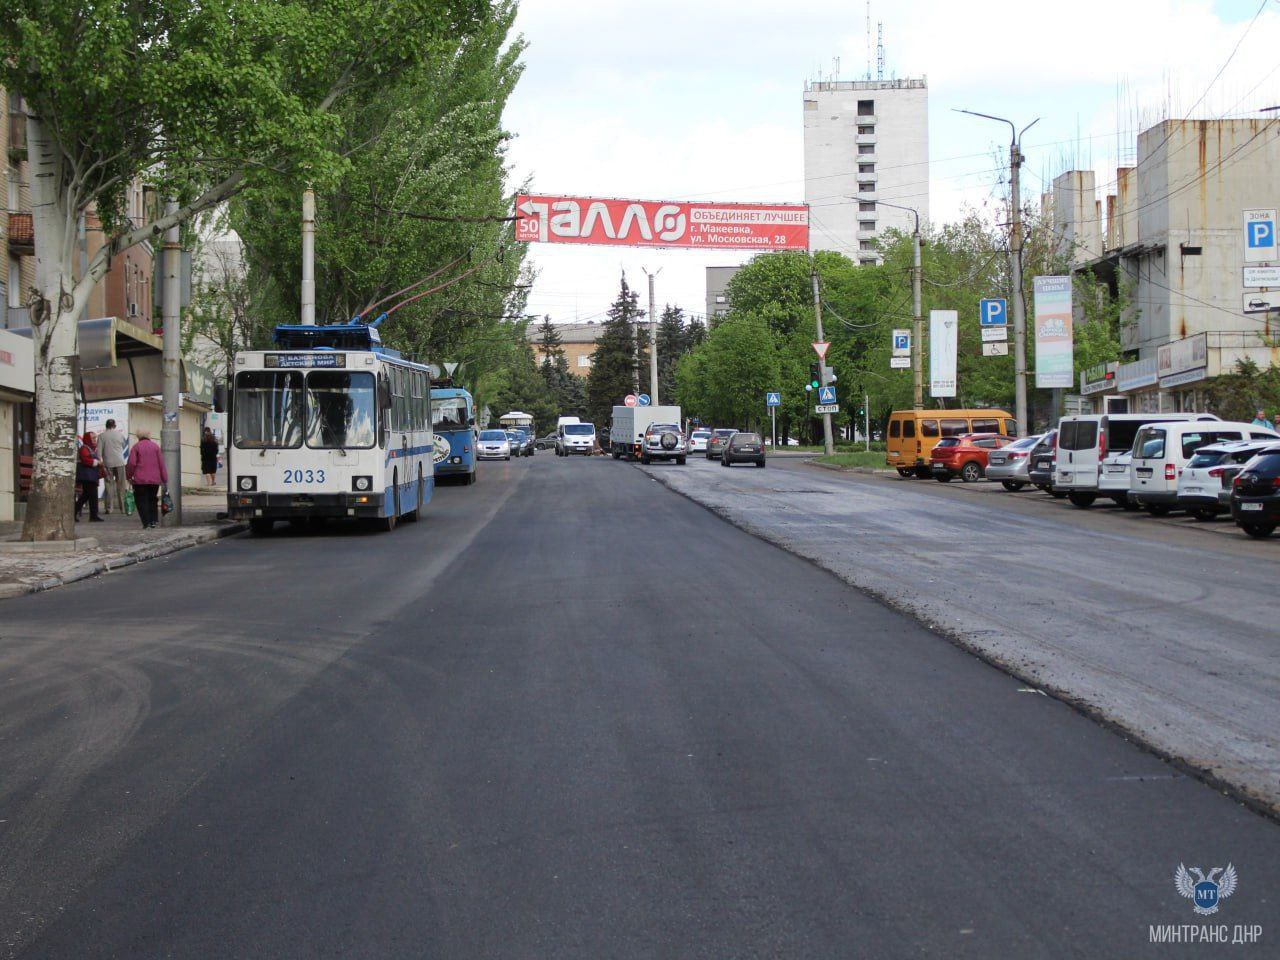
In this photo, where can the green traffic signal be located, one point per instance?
(815, 376)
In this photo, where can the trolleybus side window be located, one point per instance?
(341, 409)
(268, 409)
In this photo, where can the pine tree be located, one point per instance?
(615, 366)
(672, 345)
(565, 390)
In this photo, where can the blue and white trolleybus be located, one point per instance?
(329, 423)
(453, 417)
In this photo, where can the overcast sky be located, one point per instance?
(702, 99)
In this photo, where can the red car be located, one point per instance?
(964, 456)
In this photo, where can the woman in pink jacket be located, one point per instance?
(146, 472)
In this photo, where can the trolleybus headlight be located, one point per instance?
(455, 460)
(247, 483)
(362, 483)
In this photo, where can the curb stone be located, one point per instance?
(116, 561)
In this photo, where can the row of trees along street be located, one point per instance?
(390, 109)
(765, 340)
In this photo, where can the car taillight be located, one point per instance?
(1170, 472)
(1017, 456)
(1217, 471)
(1102, 443)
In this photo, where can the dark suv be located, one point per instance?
(1255, 494)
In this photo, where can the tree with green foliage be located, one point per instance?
(566, 390)
(519, 385)
(201, 100)
(724, 380)
(1238, 395)
(616, 365)
(673, 343)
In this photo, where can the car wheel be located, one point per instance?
(1157, 509)
(261, 526)
(971, 472)
(906, 473)
(1259, 531)
(413, 515)
(1082, 500)
(923, 473)
(1204, 514)
(1013, 486)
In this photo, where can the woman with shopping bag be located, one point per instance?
(147, 473)
(89, 471)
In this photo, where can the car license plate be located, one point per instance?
(1193, 490)
(1117, 469)
(1250, 506)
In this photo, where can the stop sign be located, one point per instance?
(630, 400)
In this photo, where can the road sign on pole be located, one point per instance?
(902, 343)
(827, 408)
(1261, 278)
(996, 349)
(820, 348)
(1260, 236)
(772, 399)
(630, 400)
(899, 363)
(642, 400)
(990, 334)
(826, 395)
(993, 313)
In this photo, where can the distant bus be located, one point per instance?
(453, 420)
(329, 424)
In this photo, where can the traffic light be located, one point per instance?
(815, 376)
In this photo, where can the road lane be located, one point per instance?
(1164, 630)
(612, 725)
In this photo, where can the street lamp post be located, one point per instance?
(1015, 267)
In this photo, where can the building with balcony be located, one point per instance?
(866, 143)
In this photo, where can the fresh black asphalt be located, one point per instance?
(568, 714)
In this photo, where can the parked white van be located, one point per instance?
(1093, 453)
(1162, 450)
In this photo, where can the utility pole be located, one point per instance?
(653, 339)
(866, 420)
(171, 363)
(1015, 267)
(917, 323)
(308, 257)
(828, 442)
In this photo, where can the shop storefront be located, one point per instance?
(17, 423)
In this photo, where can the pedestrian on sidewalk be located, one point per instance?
(209, 457)
(1261, 420)
(113, 447)
(88, 473)
(146, 471)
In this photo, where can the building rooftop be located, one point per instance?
(832, 86)
(569, 332)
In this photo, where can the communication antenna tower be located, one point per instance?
(868, 39)
(880, 50)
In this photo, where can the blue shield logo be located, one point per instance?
(1206, 895)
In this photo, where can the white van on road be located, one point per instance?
(1093, 451)
(1161, 452)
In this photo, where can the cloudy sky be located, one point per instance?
(701, 99)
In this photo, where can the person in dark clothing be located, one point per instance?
(88, 469)
(209, 457)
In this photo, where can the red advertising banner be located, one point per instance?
(655, 223)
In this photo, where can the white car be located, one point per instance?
(1161, 452)
(698, 441)
(493, 445)
(1204, 488)
(574, 438)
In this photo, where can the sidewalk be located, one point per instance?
(120, 542)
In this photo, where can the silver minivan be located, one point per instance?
(1093, 450)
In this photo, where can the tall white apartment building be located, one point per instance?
(865, 141)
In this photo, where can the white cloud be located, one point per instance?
(701, 98)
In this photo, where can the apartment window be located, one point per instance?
(866, 108)
(866, 168)
(720, 298)
(584, 361)
(865, 207)
(866, 224)
(867, 186)
(866, 128)
(866, 148)
(863, 261)
(866, 245)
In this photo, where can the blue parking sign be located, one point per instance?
(902, 341)
(772, 399)
(994, 312)
(1260, 236)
